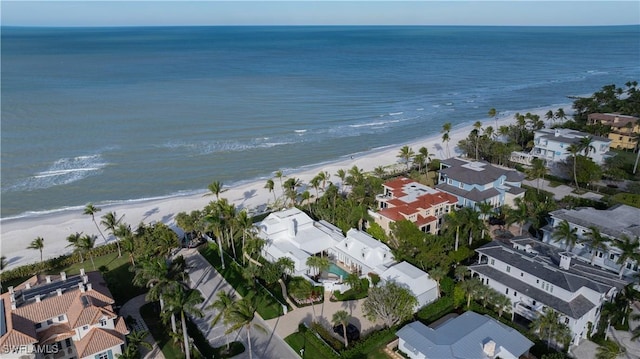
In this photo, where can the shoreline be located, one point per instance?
(56, 225)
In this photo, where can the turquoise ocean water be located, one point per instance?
(116, 114)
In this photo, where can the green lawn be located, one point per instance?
(268, 306)
(313, 349)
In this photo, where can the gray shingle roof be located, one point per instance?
(474, 195)
(463, 337)
(614, 222)
(544, 265)
(576, 308)
(480, 173)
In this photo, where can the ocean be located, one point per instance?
(105, 115)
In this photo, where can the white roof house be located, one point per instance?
(417, 281)
(552, 145)
(291, 233)
(362, 253)
(469, 335)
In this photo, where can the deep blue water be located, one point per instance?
(111, 114)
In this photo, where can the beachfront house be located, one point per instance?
(360, 253)
(293, 234)
(536, 276)
(406, 199)
(473, 182)
(613, 224)
(423, 287)
(61, 317)
(469, 335)
(552, 145)
(624, 129)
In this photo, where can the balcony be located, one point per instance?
(528, 311)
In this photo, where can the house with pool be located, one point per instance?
(293, 234)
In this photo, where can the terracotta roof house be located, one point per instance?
(624, 129)
(472, 182)
(404, 198)
(468, 336)
(61, 317)
(536, 276)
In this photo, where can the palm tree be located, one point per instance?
(476, 129)
(215, 188)
(135, 339)
(324, 176)
(342, 175)
(549, 116)
(241, 316)
(470, 287)
(341, 317)
(586, 144)
(493, 114)
(269, 186)
(545, 325)
(379, 171)
(185, 302)
(446, 128)
(485, 209)
(502, 302)
(437, 274)
(279, 175)
(628, 251)
(609, 350)
(3, 265)
(406, 154)
(596, 241)
(223, 305)
(38, 244)
(85, 244)
(291, 188)
(519, 214)
(91, 210)
(74, 241)
(461, 272)
(111, 221)
(574, 150)
(537, 171)
(319, 264)
(560, 115)
(565, 234)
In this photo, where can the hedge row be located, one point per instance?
(327, 337)
(436, 310)
(56, 263)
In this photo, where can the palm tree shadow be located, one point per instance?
(349, 305)
(150, 212)
(13, 259)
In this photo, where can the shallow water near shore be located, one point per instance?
(107, 115)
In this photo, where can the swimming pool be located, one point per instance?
(333, 268)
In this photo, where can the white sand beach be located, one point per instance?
(17, 233)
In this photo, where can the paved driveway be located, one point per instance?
(208, 281)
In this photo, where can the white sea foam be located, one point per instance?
(61, 172)
(300, 131)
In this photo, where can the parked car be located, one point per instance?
(353, 333)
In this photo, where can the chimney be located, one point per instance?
(12, 298)
(48, 278)
(63, 276)
(89, 286)
(27, 285)
(82, 271)
(81, 287)
(11, 291)
(489, 348)
(565, 261)
(37, 298)
(59, 291)
(13, 305)
(85, 279)
(557, 133)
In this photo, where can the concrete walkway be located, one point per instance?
(209, 282)
(288, 323)
(559, 192)
(132, 308)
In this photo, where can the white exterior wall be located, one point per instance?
(427, 297)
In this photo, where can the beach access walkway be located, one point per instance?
(132, 308)
(208, 281)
